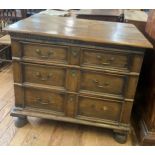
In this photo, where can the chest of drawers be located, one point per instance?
(71, 71)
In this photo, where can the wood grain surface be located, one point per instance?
(80, 29)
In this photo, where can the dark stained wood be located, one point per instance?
(72, 91)
(110, 12)
(97, 108)
(72, 80)
(150, 30)
(101, 58)
(103, 83)
(145, 96)
(115, 15)
(75, 55)
(71, 105)
(137, 18)
(44, 100)
(45, 52)
(78, 29)
(45, 75)
(21, 121)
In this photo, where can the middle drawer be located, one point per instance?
(46, 75)
(103, 82)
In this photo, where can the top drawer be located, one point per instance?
(105, 58)
(38, 51)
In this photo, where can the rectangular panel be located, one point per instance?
(72, 80)
(17, 72)
(101, 82)
(45, 52)
(46, 75)
(71, 104)
(19, 96)
(16, 48)
(99, 108)
(105, 58)
(74, 55)
(44, 99)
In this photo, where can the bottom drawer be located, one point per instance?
(99, 108)
(44, 99)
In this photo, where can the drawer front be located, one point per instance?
(46, 52)
(105, 58)
(43, 99)
(99, 108)
(103, 82)
(46, 75)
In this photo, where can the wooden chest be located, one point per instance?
(75, 70)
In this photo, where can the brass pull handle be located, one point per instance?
(43, 78)
(99, 56)
(73, 73)
(49, 53)
(104, 108)
(106, 84)
(74, 53)
(108, 61)
(71, 99)
(39, 101)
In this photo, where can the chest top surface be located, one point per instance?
(80, 29)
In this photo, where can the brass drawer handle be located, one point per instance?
(73, 73)
(108, 61)
(74, 53)
(39, 101)
(71, 99)
(104, 108)
(99, 57)
(43, 78)
(106, 84)
(49, 53)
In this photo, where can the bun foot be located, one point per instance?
(120, 137)
(21, 121)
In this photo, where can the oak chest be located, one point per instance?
(75, 70)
